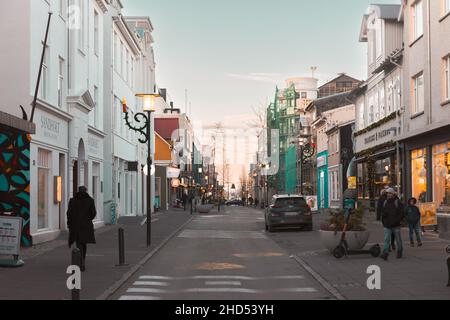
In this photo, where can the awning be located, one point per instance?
(379, 155)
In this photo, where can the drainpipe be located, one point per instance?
(430, 107)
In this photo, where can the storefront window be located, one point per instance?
(384, 174)
(441, 174)
(43, 185)
(363, 190)
(419, 174)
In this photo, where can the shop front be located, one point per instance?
(377, 162)
(428, 172)
(49, 174)
(322, 180)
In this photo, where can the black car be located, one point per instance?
(235, 202)
(288, 212)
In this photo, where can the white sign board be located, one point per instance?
(312, 202)
(10, 233)
(173, 173)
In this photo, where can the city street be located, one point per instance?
(229, 256)
(223, 256)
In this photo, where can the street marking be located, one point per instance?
(222, 290)
(138, 298)
(145, 290)
(151, 283)
(218, 234)
(217, 266)
(297, 290)
(258, 255)
(155, 278)
(223, 277)
(223, 283)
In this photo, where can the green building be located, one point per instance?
(283, 115)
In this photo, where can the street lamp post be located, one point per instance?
(144, 128)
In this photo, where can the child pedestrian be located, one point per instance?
(412, 216)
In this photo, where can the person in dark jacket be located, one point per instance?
(79, 221)
(412, 216)
(380, 204)
(392, 214)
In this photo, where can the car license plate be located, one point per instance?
(291, 214)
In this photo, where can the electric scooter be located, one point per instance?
(342, 249)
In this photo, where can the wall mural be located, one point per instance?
(15, 178)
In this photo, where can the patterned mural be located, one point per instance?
(15, 178)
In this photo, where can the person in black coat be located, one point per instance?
(80, 214)
(392, 214)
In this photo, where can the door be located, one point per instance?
(322, 190)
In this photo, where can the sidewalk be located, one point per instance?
(421, 274)
(44, 275)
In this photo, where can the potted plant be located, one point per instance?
(357, 235)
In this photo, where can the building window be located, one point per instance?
(382, 103)
(446, 6)
(304, 95)
(418, 94)
(43, 188)
(44, 79)
(334, 186)
(419, 174)
(61, 83)
(417, 23)
(96, 111)
(122, 58)
(62, 8)
(446, 81)
(116, 52)
(441, 174)
(81, 30)
(96, 33)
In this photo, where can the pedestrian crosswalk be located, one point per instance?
(157, 287)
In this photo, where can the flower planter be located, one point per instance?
(356, 240)
(204, 208)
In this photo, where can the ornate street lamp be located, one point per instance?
(143, 126)
(307, 151)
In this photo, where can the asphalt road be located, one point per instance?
(223, 256)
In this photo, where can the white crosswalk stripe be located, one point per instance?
(150, 287)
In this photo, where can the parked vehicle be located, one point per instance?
(235, 202)
(288, 211)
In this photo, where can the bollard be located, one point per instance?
(448, 266)
(122, 248)
(76, 261)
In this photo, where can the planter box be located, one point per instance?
(356, 240)
(205, 208)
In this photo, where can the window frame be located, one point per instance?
(446, 78)
(415, 25)
(415, 91)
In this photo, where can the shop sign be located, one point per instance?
(352, 183)
(312, 203)
(176, 183)
(375, 137)
(429, 214)
(10, 234)
(50, 129)
(321, 161)
(173, 172)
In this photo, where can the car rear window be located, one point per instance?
(290, 202)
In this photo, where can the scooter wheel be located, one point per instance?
(339, 252)
(376, 251)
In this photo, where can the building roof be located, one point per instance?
(342, 75)
(330, 102)
(387, 11)
(166, 126)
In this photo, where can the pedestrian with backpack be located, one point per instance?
(392, 215)
(412, 216)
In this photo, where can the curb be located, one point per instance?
(325, 284)
(115, 287)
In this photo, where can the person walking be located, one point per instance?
(80, 214)
(392, 214)
(380, 204)
(412, 216)
(184, 200)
